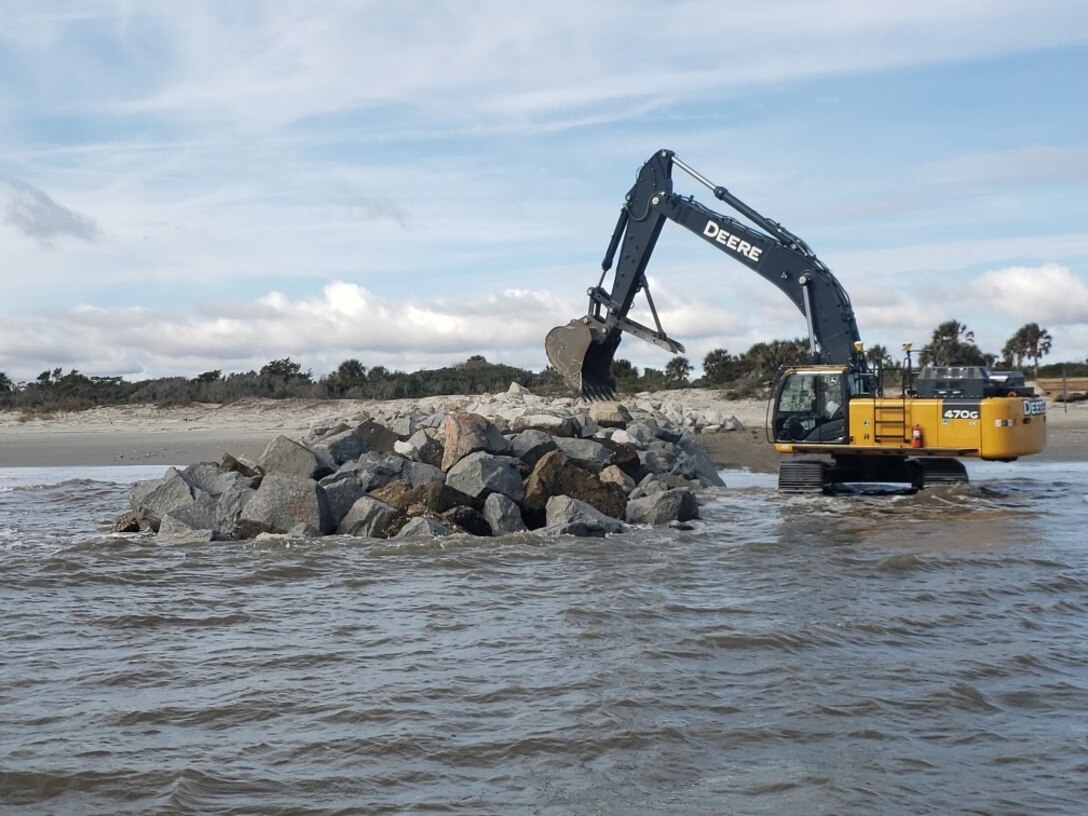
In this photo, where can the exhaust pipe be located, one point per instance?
(582, 353)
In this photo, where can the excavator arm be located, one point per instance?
(582, 351)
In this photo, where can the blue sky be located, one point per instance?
(199, 185)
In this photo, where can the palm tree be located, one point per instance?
(677, 371)
(1014, 352)
(878, 356)
(719, 366)
(952, 343)
(1036, 342)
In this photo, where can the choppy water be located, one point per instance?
(791, 655)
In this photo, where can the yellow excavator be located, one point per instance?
(831, 419)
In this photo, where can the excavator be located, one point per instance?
(830, 418)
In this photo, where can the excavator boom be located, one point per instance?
(583, 350)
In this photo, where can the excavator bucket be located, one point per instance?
(582, 353)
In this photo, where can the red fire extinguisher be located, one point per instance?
(916, 437)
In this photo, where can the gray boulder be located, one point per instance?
(229, 506)
(376, 437)
(287, 457)
(615, 475)
(372, 470)
(588, 453)
(423, 527)
(173, 531)
(282, 502)
(420, 473)
(151, 500)
(609, 414)
(642, 432)
(530, 445)
(555, 425)
(193, 522)
(421, 447)
(667, 506)
(405, 425)
(213, 479)
(370, 517)
(341, 447)
(238, 464)
(467, 519)
(342, 490)
(503, 515)
(563, 510)
(467, 433)
(695, 464)
(650, 485)
(480, 474)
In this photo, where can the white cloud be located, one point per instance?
(344, 320)
(1047, 294)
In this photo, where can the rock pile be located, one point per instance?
(556, 469)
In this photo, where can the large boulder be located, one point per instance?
(609, 414)
(589, 453)
(420, 473)
(615, 475)
(503, 515)
(423, 527)
(563, 513)
(530, 445)
(213, 479)
(342, 490)
(281, 503)
(695, 464)
(480, 474)
(565, 426)
(555, 475)
(678, 504)
(433, 497)
(404, 425)
(467, 433)
(229, 507)
(372, 518)
(194, 522)
(238, 464)
(467, 519)
(287, 457)
(376, 437)
(421, 447)
(151, 500)
(341, 447)
(642, 432)
(372, 470)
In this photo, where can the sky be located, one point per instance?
(204, 185)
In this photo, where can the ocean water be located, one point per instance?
(860, 654)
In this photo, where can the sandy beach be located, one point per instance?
(143, 434)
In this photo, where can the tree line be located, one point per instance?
(283, 378)
(745, 374)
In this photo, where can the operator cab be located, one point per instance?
(810, 404)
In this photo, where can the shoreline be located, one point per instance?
(148, 435)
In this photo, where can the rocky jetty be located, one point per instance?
(493, 465)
